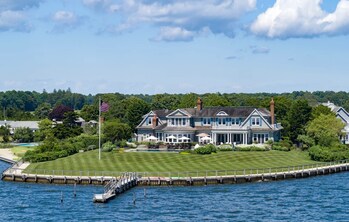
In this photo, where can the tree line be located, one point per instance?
(298, 112)
(293, 110)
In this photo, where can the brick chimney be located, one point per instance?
(154, 121)
(272, 112)
(199, 104)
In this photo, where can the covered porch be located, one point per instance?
(230, 138)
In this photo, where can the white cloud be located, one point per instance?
(17, 5)
(101, 5)
(174, 34)
(338, 21)
(185, 17)
(13, 16)
(65, 20)
(301, 18)
(13, 21)
(64, 17)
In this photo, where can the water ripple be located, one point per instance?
(323, 198)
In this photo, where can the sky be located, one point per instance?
(174, 46)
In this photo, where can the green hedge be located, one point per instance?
(328, 154)
(6, 145)
(208, 149)
(280, 148)
(225, 148)
(53, 149)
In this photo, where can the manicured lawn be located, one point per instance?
(172, 162)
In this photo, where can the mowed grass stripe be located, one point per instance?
(174, 162)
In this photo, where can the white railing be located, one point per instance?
(184, 174)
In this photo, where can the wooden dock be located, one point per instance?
(116, 186)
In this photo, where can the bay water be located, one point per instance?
(322, 198)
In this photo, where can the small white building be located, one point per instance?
(13, 125)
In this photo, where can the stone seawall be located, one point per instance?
(17, 176)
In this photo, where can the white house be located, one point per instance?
(218, 125)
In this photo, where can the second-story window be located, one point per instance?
(255, 121)
(149, 121)
(206, 121)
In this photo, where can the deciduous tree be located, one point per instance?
(23, 135)
(116, 131)
(325, 130)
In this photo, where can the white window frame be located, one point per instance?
(255, 121)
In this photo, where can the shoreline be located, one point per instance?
(15, 174)
(6, 155)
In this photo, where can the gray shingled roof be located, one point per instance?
(212, 111)
(17, 124)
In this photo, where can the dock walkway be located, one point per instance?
(116, 186)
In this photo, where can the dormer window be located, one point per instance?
(222, 113)
(149, 121)
(178, 122)
(255, 121)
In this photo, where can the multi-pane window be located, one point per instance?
(255, 121)
(178, 122)
(206, 121)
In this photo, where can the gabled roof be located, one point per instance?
(230, 111)
(182, 111)
(243, 112)
(260, 114)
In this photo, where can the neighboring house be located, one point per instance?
(33, 125)
(218, 125)
(343, 115)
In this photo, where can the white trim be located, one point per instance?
(252, 113)
(221, 113)
(145, 118)
(187, 115)
(341, 108)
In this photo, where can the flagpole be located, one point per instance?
(99, 127)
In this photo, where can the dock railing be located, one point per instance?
(186, 174)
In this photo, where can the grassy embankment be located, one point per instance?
(173, 162)
(19, 151)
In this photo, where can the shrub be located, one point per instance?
(91, 147)
(108, 147)
(6, 145)
(328, 154)
(122, 143)
(208, 149)
(224, 148)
